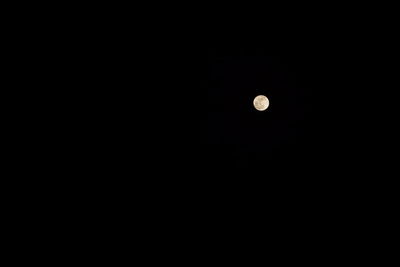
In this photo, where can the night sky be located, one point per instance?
(330, 123)
(238, 135)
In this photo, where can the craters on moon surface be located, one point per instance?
(261, 102)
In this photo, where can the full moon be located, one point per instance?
(261, 102)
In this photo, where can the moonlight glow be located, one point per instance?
(261, 102)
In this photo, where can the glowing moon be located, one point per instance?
(261, 102)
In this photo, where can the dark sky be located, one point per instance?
(238, 135)
(329, 127)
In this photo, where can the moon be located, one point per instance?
(261, 102)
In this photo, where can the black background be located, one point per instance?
(330, 113)
(283, 136)
(329, 133)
